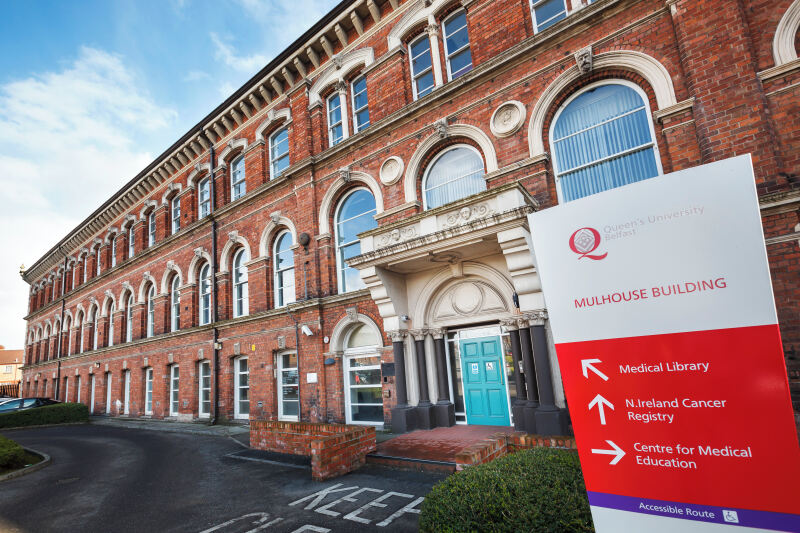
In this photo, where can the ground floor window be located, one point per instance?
(364, 397)
(148, 391)
(78, 388)
(288, 387)
(127, 393)
(242, 388)
(174, 389)
(205, 388)
(66, 389)
(108, 393)
(91, 396)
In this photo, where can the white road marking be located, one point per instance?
(319, 496)
(374, 503)
(316, 529)
(410, 508)
(325, 509)
(262, 517)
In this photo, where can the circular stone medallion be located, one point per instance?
(391, 170)
(507, 119)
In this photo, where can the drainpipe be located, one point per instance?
(214, 294)
(61, 325)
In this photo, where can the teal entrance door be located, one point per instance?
(484, 381)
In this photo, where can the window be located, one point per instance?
(95, 329)
(238, 186)
(602, 138)
(96, 263)
(335, 124)
(204, 197)
(126, 379)
(91, 395)
(68, 329)
(175, 303)
(242, 388)
(362, 375)
(78, 388)
(108, 393)
(456, 45)
(151, 311)
(547, 12)
(360, 105)
(148, 391)
(151, 228)
(129, 319)
(204, 407)
(453, 174)
(174, 389)
(131, 242)
(284, 270)
(111, 312)
(176, 215)
(240, 307)
(113, 251)
(288, 387)
(80, 325)
(355, 214)
(279, 152)
(85, 268)
(205, 295)
(421, 66)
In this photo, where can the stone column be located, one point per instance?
(517, 408)
(550, 420)
(433, 34)
(344, 107)
(404, 417)
(445, 412)
(532, 403)
(425, 414)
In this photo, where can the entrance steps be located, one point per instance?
(410, 463)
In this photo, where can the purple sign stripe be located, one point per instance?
(732, 516)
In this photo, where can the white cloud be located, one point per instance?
(196, 75)
(68, 140)
(280, 17)
(228, 55)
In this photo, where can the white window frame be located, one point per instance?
(82, 337)
(96, 265)
(278, 287)
(129, 319)
(340, 266)
(415, 76)
(95, 332)
(536, 3)
(108, 393)
(85, 268)
(151, 228)
(205, 296)
(131, 242)
(613, 81)
(203, 372)
(280, 385)
(175, 304)
(69, 337)
(272, 155)
(111, 310)
(240, 284)
(78, 388)
(447, 53)
(175, 211)
(353, 94)
(348, 356)
(151, 311)
(237, 388)
(92, 385)
(126, 380)
(174, 390)
(433, 162)
(66, 388)
(203, 205)
(238, 178)
(331, 126)
(148, 391)
(113, 251)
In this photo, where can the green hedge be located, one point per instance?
(539, 490)
(51, 414)
(11, 454)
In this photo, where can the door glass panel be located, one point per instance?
(365, 377)
(366, 395)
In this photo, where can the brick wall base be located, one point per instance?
(335, 449)
(501, 444)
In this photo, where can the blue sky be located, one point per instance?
(91, 91)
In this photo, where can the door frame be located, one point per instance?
(108, 393)
(236, 390)
(279, 389)
(349, 354)
(91, 397)
(127, 395)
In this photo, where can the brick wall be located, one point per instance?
(501, 444)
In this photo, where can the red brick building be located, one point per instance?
(344, 239)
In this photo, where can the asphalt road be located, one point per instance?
(108, 479)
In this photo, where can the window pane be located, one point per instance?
(365, 377)
(289, 393)
(290, 408)
(420, 55)
(549, 12)
(457, 39)
(366, 413)
(456, 174)
(289, 360)
(360, 99)
(609, 174)
(425, 84)
(461, 63)
(366, 395)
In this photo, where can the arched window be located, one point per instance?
(240, 297)
(279, 152)
(85, 268)
(284, 270)
(95, 329)
(204, 198)
(602, 138)
(129, 319)
(421, 66)
(355, 214)
(455, 173)
(456, 45)
(151, 311)
(111, 310)
(362, 375)
(238, 187)
(175, 304)
(45, 355)
(205, 295)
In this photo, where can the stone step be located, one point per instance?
(410, 463)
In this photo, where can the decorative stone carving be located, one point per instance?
(438, 333)
(170, 264)
(507, 119)
(536, 318)
(467, 214)
(127, 286)
(583, 58)
(509, 324)
(233, 235)
(397, 235)
(432, 29)
(281, 342)
(445, 257)
(198, 252)
(397, 336)
(352, 314)
(468, 298)
(337, 61)
(418, 334)
(441, 128)
(275, 217)
(391, 170)
(109, 294)
(344, 173)
(341, 86)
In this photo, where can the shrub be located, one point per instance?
(538, 490)
(11, 454)
(51, 414)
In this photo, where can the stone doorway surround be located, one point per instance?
(464, 263)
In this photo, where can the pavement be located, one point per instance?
(107, 478)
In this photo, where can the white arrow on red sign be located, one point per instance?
(588, 364)
(599, 401)
(617, 452)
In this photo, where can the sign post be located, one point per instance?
(661, 308)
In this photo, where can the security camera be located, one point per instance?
(306, 330)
